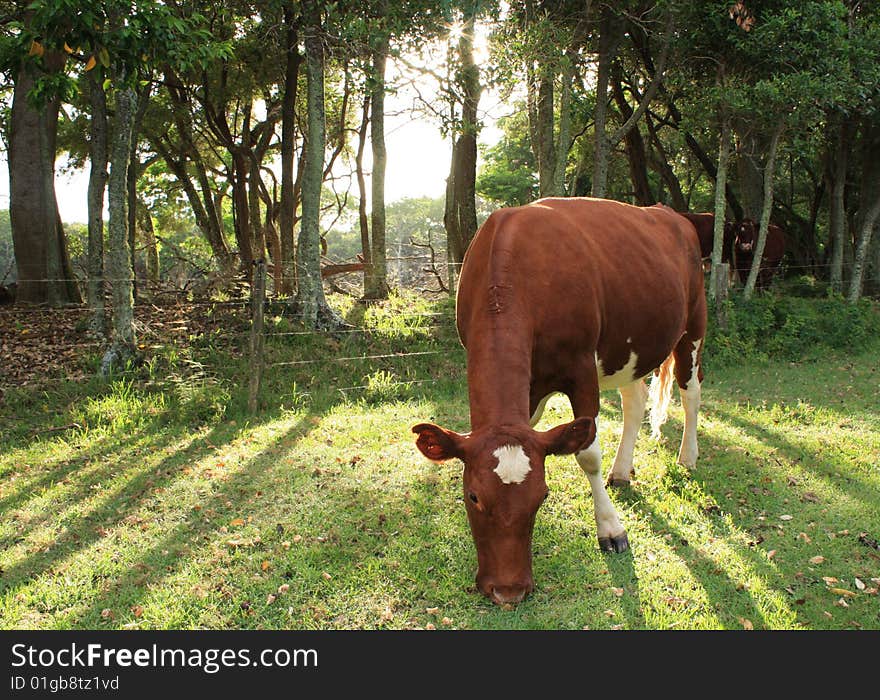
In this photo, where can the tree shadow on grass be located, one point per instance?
(818, 465)
(359, 529)
(86, 528)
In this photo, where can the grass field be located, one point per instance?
(156, 501)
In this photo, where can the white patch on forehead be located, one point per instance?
(625, 375)
(513, 464)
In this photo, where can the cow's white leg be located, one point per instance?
(633, 398)
(609, 530)
(690, 400)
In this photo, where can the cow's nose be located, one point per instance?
(503, 595)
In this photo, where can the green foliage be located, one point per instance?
(507, 175)
(769, 327)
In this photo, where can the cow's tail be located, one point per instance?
(660, 395)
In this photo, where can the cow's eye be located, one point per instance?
(473, 497)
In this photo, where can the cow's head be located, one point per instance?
(503, 488)
(745, 235)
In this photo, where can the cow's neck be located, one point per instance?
(499, 376)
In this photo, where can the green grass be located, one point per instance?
(163, 504)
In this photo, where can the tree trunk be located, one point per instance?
(749, 175)
(43, 265)
(837, 207)
(242, 209)
(604, 143)
(659, 163)
(544, 150)
(122, 333)
(720, 204)
(287, 214)
(769, 174)
(376, 286)
(148, 233)
(96, 189)
(461, 206)
(635, 147)
(363, 220)
(869, 207)
(602, 147)
(310, 300)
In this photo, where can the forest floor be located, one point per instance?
(155, 500)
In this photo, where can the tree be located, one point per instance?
(460, 219)
(311, 304)
(44, 271)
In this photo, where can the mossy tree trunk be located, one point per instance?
(122, 332)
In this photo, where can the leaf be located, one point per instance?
(746, 623)
(137, 610)
(236, 521)
(91, 63)
(817, 559)
(106, 84)
(860, 584)
(67, 48)
(786, 517)
(265, 566)
(104, 57)
(36, 49)
(842, 591)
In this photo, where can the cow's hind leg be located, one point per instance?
(633, 399)
(609, 530)
(689, 375)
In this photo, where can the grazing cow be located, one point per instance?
(745, 240)
(626, 299)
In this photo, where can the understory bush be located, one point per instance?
(790, 328)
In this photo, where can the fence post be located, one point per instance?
(258, 295)
(722, 283)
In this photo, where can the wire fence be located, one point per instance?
(169, 319)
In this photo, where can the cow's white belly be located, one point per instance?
(625, 375)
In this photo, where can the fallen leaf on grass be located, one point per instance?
(843, 592)
(283, 588)
(617, 591)
(829, 580)
(860, 584)
(432, 611)
(326, 575)
(264, 566)
(817, 559)
(271, 598)
(137, 610)
(235, 522)
(786, 517)
(746, 623)
(107, 614)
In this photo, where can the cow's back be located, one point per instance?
(581, 274)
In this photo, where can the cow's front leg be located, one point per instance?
(633, 399)
(609, 530)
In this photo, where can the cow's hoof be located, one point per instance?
(619, 483)
(614, 544)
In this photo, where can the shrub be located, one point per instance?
(790, 328)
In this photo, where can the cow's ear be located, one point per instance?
(569, 438)
(439, 444)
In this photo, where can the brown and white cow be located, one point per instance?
(704, 223)
(624, 299)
